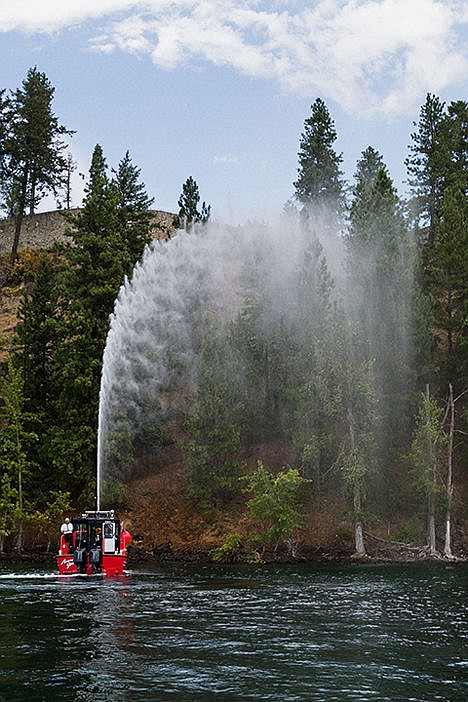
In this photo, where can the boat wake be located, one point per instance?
(28, 576)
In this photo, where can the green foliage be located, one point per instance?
(214, 449)
(31, 147)
(47, 522)
(446, 261)
(429, 446)
(37, 331)
(427, 162)
(319, 185)
(63, 322)
(437, 168)
(15, 439)
(275, 505)
(289, 368)
(109, 235)
(188, 202)
(230, 551)
(382, 296)
(8, 507)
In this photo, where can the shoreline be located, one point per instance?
(167, 555)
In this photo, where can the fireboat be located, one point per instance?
(97, 545)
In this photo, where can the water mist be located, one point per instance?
(161, 313)
(185, 284)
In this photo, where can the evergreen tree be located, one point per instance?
(134, 209)
(428, 452)
(449, 286)
(37, 337)
(313, 426)
(455, 135)
(367, 169)
(426, 164)
(446, 262)
(188, 205)
(132, 193)
(214, 450)
(15, 440)
(380, 265)
(319, 185)
(356, 412)
(108, 238)
(36, 331)
(31, 147)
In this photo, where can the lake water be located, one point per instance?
(279, 633)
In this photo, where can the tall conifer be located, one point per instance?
(426, 164)
(319, 186)
(31, 148)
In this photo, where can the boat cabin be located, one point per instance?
(97, 544)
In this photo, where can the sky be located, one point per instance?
(219, 89)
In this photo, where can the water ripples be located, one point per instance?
(195, 633)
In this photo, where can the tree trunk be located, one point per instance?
(431, 492)
(19, 541)
(19, 217)
(358, 532)
(431, 530)
(449, 320)
(449, 486)
(16, 239)
(32, 198)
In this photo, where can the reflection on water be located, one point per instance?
(285, 634)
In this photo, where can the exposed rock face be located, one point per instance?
(42, 231)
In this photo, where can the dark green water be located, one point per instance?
(286, 634)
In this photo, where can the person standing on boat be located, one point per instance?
(67, 530)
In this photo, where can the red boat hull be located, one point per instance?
(111, 565)
(96, 545)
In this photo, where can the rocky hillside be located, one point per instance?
(40, 232)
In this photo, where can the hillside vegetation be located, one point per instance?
(322, 409)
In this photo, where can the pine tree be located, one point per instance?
(108, 238)
(319, 185)
(356, 413)
(380, 299)
(134, 208)
(188, 205)
(31, 146)
(15, 439)
(446, 262)
(214, 449)
(427, 455)
(426, 164)
(36, 331)
(313, 424)
(37, 335)
(367, 169)
(133, 197)
(448, 283)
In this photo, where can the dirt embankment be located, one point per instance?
(167, 527)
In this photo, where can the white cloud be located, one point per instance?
(368, 55)
(225, 158)
(51, 15)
